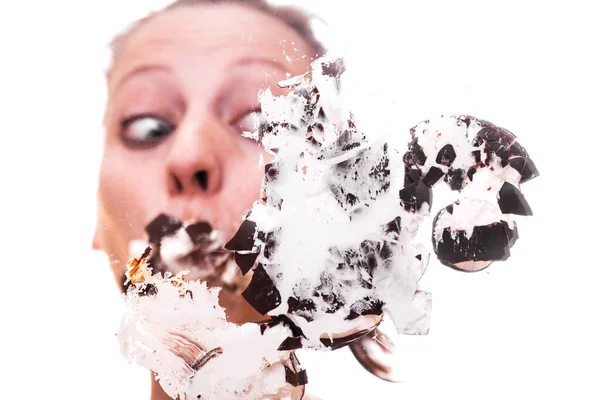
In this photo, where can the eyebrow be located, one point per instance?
(258, 60)
(139, 70)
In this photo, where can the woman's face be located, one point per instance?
(183, 88)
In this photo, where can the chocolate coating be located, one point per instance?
(512, 201)
(487, 243)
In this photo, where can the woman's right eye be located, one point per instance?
(144, 130)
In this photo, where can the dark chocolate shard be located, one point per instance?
(261, 293)
(455, 178)
(413, 196)
(291, 343)
(161, 226)
(512, 201)
(492, 134)
(412, 176)
(286, 321)
(394, 225)
(198, 231)
(243, 238)
(477, 156)
(296, 378)
(471, 172)
(433, 176)
(517, 150)
(446, 155)
(503, 153)
(525, 167)
(245, 261)
(415, 154)
(386, 251)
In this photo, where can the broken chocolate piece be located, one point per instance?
(413, 196)
(412, 176)
(455, 178)
(291, 343)
(245, 261)
(162, 226)
(244, 237)
(471, 172)
(433, 176)
(296, 378)
(261, 293)
(394, 225)
(512, 201)
(446, 155)
(415, 154)
(525, 167)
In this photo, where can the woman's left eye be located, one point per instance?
(249, 122)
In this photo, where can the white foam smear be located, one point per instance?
(335, 243)
(310, 205)
(179, 331)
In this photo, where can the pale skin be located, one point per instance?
(182, 88)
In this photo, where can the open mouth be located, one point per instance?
(195, 247)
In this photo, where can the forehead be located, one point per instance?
(207, 31)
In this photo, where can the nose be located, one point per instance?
(194, 162)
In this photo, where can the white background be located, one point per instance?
(523, 329)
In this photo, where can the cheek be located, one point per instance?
(121, 203)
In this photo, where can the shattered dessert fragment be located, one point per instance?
(327, 250)
(180, 332)
(478, 229)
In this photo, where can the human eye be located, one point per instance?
(248, 121)
(143, 131)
